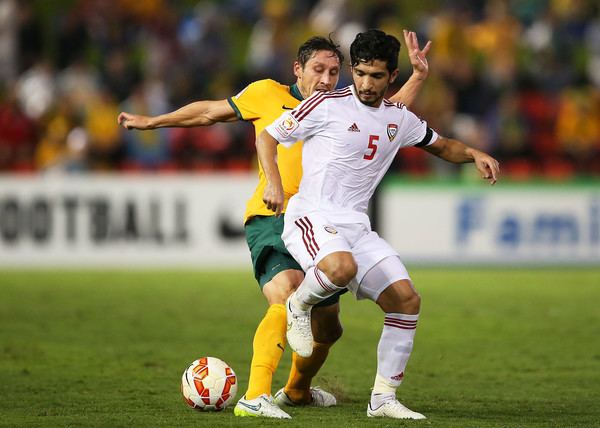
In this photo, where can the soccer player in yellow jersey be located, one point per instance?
(316, 68)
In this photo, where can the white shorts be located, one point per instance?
(312, 237)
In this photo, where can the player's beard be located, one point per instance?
(371, 101)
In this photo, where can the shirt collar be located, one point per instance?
(296, 92)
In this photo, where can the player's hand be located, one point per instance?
(134, 121)
(418, 57)
(273, 198)
(488, 167)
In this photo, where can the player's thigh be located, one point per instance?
(371, 250)
(277, 272)
(386, 272)
(311, 238)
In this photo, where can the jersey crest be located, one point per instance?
(392, 130)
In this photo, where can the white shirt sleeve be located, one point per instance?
(301, 123)
(416, 132)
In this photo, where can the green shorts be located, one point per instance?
(268, 252)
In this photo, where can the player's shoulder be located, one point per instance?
(338, 93)
(329, 96)
(321, 100)
(269, 85)
(391, 105)
(263, 86)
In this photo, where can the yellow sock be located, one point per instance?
(268, 345)
(302, 372)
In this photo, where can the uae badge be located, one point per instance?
(392, 130)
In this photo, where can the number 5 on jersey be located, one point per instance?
(373, 139)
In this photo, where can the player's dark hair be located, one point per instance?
(318, 43)
(375, 44)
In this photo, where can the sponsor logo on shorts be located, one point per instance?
(330, 229)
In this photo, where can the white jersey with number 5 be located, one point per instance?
(348, 147)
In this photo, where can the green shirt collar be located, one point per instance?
(296, 92)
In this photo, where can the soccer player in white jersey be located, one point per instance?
(350, 139)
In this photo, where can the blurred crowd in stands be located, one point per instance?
(520, 79)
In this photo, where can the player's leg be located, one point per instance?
(327, 329)
(389, 285)
(269, 339)
(278, 274)
(326, 257)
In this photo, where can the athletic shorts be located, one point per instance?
(312, 237)
(268, 252)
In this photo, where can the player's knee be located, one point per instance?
(412, 305)
(400, 297)
(282, 285)
(340, 268)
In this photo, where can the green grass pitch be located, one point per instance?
(494, 348)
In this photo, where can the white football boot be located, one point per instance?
(299, 332)
(262, 406)
(319, 398)
(393, 409)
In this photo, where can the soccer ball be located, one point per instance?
(208, 384)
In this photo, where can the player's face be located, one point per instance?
(320, 73)
(371, 81)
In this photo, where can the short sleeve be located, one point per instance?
(417, 133)
(248, 102)
(301, 123)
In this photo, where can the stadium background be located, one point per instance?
(520, 79)
(517, 79)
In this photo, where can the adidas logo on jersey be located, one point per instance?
(354, 128)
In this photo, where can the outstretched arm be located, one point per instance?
(418, 59)
(456, 152)
(199, 113)
(266, 149)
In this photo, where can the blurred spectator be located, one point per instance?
(8, 41)
(105, 146)
(17, 135)
(52, 146)
(29, 35)
(201, 149)
(36, 90)
(146, 150)
(578, 127)
(78, 84)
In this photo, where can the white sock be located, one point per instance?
(315, 288)
(393, 351)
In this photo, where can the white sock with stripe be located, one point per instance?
(315, 288)
(393, 351)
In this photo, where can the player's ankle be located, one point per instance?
(377, 399)
(299, 304)
(298, 396)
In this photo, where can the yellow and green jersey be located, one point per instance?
(262, 102)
